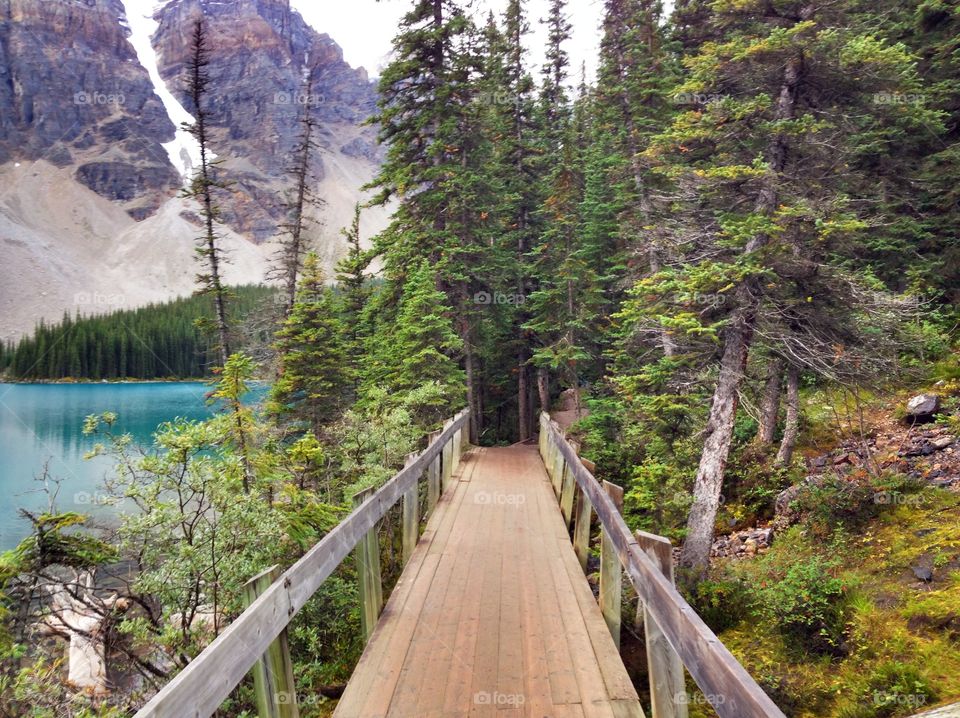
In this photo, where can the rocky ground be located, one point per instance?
(911, 446)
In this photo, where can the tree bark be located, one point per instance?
(543, 388)
(792, 427)
(523, 394)
(695, 554)
(770, 403)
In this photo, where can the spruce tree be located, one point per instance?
(314, 373)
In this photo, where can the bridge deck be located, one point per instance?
(492, 616)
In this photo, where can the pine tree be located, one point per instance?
(202, 186)
(289, 259)
(315, 375)
(765, 163)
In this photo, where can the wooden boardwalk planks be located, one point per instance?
(492, 616)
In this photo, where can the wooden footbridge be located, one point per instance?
(493, 614)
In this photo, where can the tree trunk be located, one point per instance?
(695, 553)
(708, 485)
(523, 394)
(473, 394)
(543, 388)
(792, 427)
(770, 403)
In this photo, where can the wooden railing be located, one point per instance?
(676, 637)
(255, 640)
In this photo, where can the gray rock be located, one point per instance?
(923, 407)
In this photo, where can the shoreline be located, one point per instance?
(112, 382)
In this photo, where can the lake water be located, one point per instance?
(42, 423)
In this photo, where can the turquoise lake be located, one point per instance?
(42, 423)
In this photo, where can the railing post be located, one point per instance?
(667, 689)
(558, 465)
(456, 447)
(566, 495)
(447, 461)
(274, 687)
(411, 515)
(433, 477)
(581, 528)
(611, 581)
(368, 573)
(544, 436)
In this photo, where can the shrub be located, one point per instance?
(809, 605)
(721, 603)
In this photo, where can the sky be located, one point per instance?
(365, 28)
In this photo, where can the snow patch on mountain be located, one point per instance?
(183, 150)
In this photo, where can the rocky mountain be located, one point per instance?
(92, 157)
(266, 65)
(72, 93)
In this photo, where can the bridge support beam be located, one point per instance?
(274, 687)
(611, 572)
(368, 573)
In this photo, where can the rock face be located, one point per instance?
(73, 93)
(266, 66)
(91, 203)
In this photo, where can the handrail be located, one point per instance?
(723, 681)
(199, 689)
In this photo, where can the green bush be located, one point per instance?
(721, 603)
(809, 605)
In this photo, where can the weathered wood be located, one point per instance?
(411, 516)
(665, 669)
(568, 483)
(732, 691)
(456, 447)
(556, 475)
(199, 689)
(503, 611)
(274, 686)
(581, 528)
(368, 573)
(611, 573)
(433, 477)
(446, 465)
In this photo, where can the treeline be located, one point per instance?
(751, 196)
(158, 341)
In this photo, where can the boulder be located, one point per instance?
(923, 407)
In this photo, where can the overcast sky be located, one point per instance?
(365, 28)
